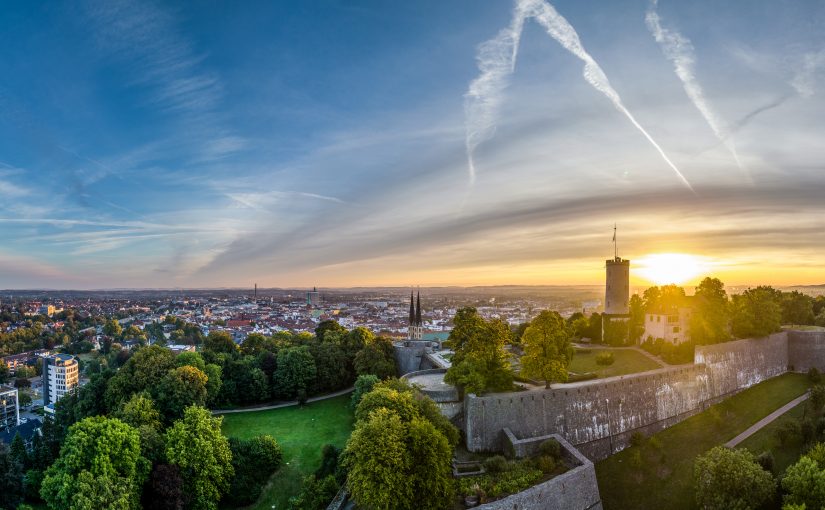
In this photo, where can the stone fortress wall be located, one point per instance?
(600, 416)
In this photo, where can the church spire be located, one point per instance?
(412, 309)
(418, 310)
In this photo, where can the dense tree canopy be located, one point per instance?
(756, 312)
(711, 313)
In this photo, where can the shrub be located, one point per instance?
(637, 439)
(817, 398)
(605, 358)
(545, 463)
(551, 448)
(814, 376)
(789, 433)
(655, 443)
(765, 459)
(495, 464)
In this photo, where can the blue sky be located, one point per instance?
(148, 144)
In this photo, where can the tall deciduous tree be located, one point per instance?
(11, 479)
(481, 362)
(296, 371)
(195, 444)
(100, 466)
(710, 321)
(180, 388)
(377, 358)
(547, 348)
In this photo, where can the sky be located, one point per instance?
(330, 143)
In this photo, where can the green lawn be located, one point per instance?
(665, 479)
(301, 432)
(765, 440)
(627, 362)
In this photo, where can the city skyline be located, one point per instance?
(151, 146)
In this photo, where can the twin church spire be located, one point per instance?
(416, 324)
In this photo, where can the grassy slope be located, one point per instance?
(666, 480)
(301, 432)
(627, 362)
(765, 440)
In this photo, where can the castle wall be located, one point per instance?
(600, 416)
(806, 350)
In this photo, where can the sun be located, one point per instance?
(666, 268)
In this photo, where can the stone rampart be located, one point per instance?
(806, 350)
(600, 416)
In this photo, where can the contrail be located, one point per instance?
(563, 32)
(679, 50)
(496, 61)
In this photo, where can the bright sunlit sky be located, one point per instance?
(149, 144)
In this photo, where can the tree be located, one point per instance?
(316, 493)
(254, 460)
(180, 388)
(804, 483)
(547, 348)
(220, 341)
(377, 358)
(328, 326)
(377, 460)
(140, 412)
(709, 323)
(395, 464)
(331, 367)
(296, 371)
(4, 373)
(17, 450)
(665, 299)
(756, 312)
(165, 489)
(100, 466)
(142, 372)
(214, 381)
(112, 328)
(731, 479)
(363, 385)
(356, 340)
(195, 444)
(192, 359)
(480, 362)
(256, 343)
(11, 478)
(636, 322)
(797, 308)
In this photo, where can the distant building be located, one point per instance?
(60, 376)
(313, 297)
(9, 407)
(27, 430)
(671, 327)
(46, 310)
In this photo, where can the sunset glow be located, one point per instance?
(665, 268)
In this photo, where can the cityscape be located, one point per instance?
(503, 255)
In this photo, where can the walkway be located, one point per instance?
(766, 420)
(285, 404)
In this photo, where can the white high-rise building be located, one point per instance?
(9, 407)
(60, 376)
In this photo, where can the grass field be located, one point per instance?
(665, 478)
(627, 362)
(301, 432)
(765, 440)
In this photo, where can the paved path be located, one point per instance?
(285, 404)
(766, 420)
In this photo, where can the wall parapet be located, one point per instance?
(576, 489)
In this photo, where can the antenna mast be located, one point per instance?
(615, 247)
